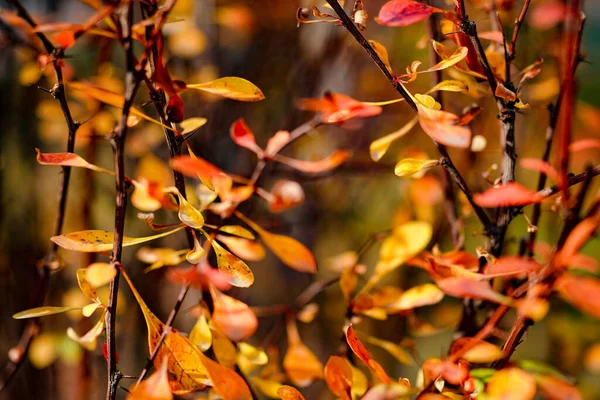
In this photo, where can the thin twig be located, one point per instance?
(50, 262)
(518, 22)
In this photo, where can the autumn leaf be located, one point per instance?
(390, 391)
(300, 364)
(511, 265)
(226, 382)
(581, 291)
(291, 252)
(201, 334)
(314, 167)
(584, 144)
(242, 136)
(508, 195)
(555, 388)
(337, 108)
(231, 87)
(576, 239)
(511, 383)
(379, 147)
(404, 13)
(100, 274)
(195, 167)
(233, 317)
(245, 249)
(382, 53)
(68, 160)
(535, 164)
(479, 351)
(442, 127)
(338, 376)
(286, 392)
(286, 194)
(192, 124)
(89, 339)
(238, 272)
(361, 352)
(446, 62)
(466, 288)
(93, 241)
(417, 296)
(43, 311)
(156, 387)
(187, 213)
(411, 166)
(394, 349)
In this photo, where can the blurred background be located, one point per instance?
(260, 41)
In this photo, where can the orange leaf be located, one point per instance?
(465, 288)
(338, 376)
(68, 160)
(233, 317)
(286, 194)
(504, 93)
(361, 351)
(510, 194)
(576, 239)
(535, 164)
(581, 291)
(404, 13)
(300, 363)
(337, 107)
(511, 383)
(279, 140)
(511, 265)
(194, 166)
(442, 127)
(286, 392)
(226, 382)
(585, 144)
(156, 387)
(243, 136)
(314, 167)
(555, 388)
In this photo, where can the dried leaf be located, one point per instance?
(93, 241)
(291, 252)
(449, 86)
(507, 195)
(337, 107)
(68, 160)
(504, 93)
(231, 87)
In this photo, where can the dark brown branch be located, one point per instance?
(354, 31)
(518, 22)
(117, 140)
(50, 262)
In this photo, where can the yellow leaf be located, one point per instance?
(110, 98)
(185, 360)
(237, 231)
(417, 296)
(412, 166)
(237, 271)
(405, 242)
(158, 257)
(380, 146)
(88, 310)
(43, 350)
(232, 88)
(268, 387)
(85, 286)
(290, 251)
(93, 241)
(100, 274)
(224, 349)
(480, 351)
(88, 341)
(233, 317)
(188, 214)
(191, 124)
(382, 53)
(248, 250)
(156, 387)
(43, 311)
(250, 357)
(200, 334)
(195, 255)
(226, 382)
(511, 383)
(449, 86)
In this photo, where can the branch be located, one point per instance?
(117, 140)
(50, 262)
(516, 29)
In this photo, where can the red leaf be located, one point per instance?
(175, 109)
(404, 12)
(585, 144)
(200, 276)
(581, 291)
(576, 239)
(510, 194)
(243, 136)
(337, 107)
(511, 265)
(195, 166)
(105, 353)
(361, 352)
(314, 167)
(465, 288)
(547, 15)
(65, 39)
(535, 164)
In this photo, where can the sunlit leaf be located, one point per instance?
(245, 249)
(231, 87)
(581, 291)
(97, 241)
(286, 194)
(511, 265)
(338, 376)
(404, 12)
(200, 334)
(382, 53)
(195, 167)
(233, 317)
(224, 349)
(314, 167)
(337, 108)
(577, 238)
(361, 351)
(511, 383)
(379, 147)
(446, 62)
(507, 195)
(43, 311)
(584, 144)
(411, 166)
(504, 93)
(100, 274)
(191, 124)
(291, 252)
(466, 288)
(441, 127)
(389, 391)
(449, 86)
(479, 351)
(239, 273)
(417, 296)
(394, 349)
(226, 382)
(88, 310)
(242, 136)
(156, 387)
(188, 214)
(68, 160)
(308, 313)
